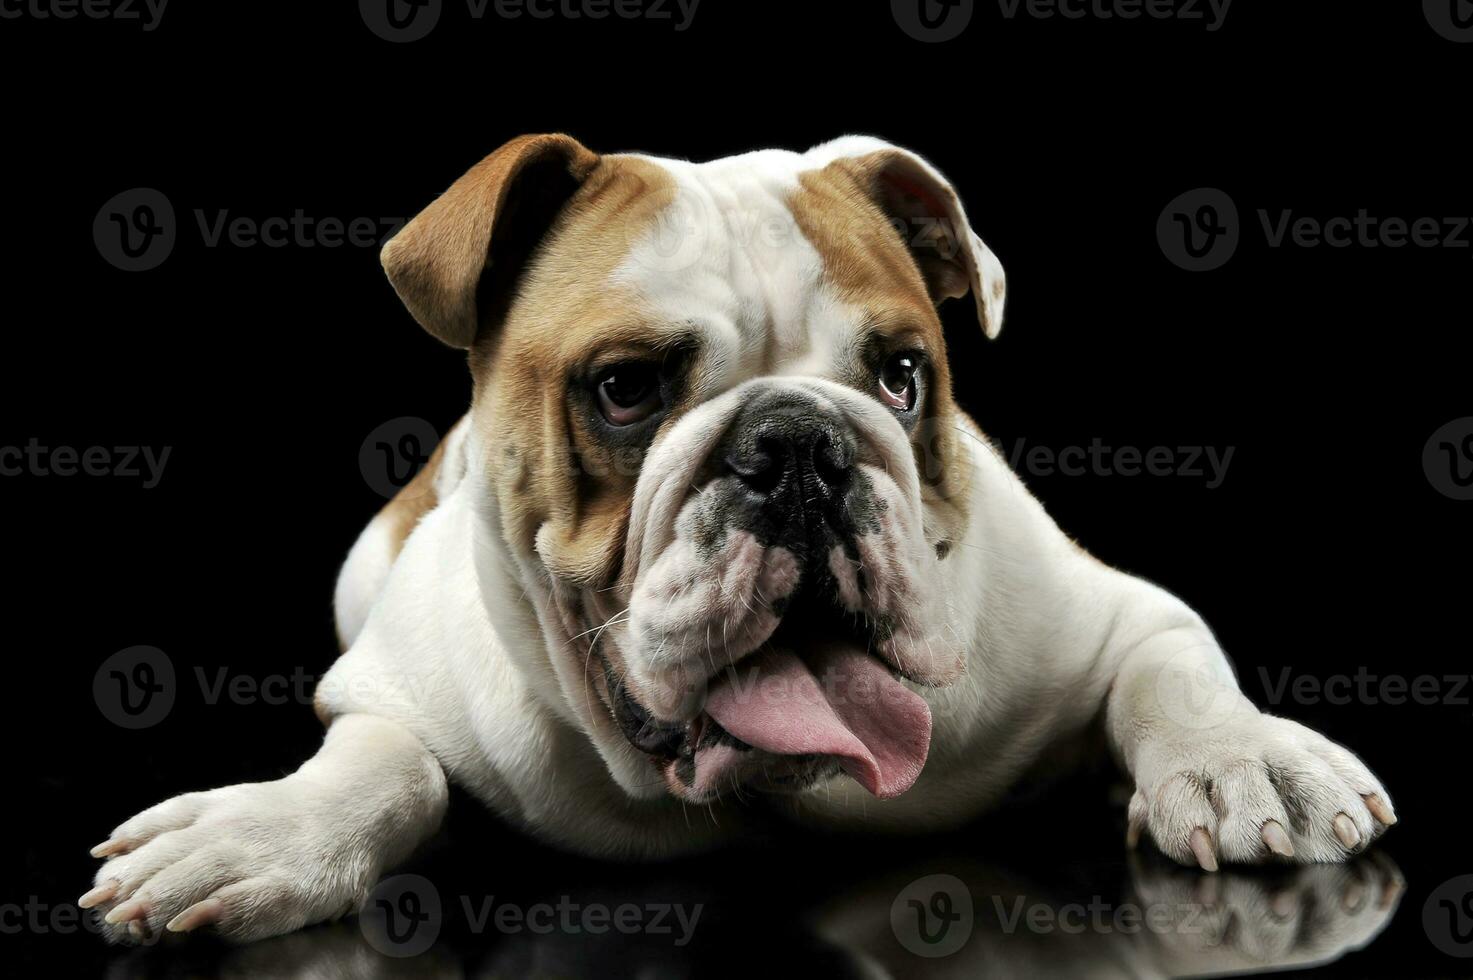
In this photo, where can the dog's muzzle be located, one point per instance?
(796, 527)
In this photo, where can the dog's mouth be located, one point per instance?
(812, 701)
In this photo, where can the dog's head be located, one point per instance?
(713, 413)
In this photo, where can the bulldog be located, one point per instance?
(714, 540)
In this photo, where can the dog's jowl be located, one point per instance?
(714, 533)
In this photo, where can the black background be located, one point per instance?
(1325, 549)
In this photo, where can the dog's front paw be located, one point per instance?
(252, 861)
(1252, 790)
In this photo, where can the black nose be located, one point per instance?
(800, 461)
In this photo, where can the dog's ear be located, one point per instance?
(456, 264)
(926, 210)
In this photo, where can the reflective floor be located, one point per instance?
(1000, 900)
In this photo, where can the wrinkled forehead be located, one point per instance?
(776, 261)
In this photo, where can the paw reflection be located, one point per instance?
(945, 913)
(1167, 921)
(1246, 921)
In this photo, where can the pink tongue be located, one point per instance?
(841, 702)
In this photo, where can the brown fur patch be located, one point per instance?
(566, 491)
(869, 265)
(413, 501)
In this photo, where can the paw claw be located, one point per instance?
(199, 914)
(1345, 830)
(1277, 840)
(109, 847)
(1380, 809)
(1200, 842)
(129, 911)
(100, 894)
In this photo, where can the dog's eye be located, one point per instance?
(898, 380)
(629, 393)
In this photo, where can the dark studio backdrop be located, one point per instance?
(1331, 544)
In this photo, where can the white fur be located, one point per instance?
(367, 566)
(362, 578)
(450, 668)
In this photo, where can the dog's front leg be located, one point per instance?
(1215, 778)
(259, 859)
